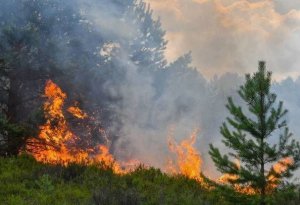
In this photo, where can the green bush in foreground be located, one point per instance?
(27, 182)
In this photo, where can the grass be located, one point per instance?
(24, 181)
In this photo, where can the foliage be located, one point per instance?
(13, 137)
(25, 181)
(249, 134)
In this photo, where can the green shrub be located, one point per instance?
(116, 196)
(25, 181)
(45, 184)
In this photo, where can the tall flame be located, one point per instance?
(57, 144)
(188, 160)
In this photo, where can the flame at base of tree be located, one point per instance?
(57, 144)
(229, 178)
(188, 160)
(277, 169)
(272, 180)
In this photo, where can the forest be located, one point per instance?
(92, 112)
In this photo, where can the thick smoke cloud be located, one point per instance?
(232, 35)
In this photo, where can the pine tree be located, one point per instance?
(248, 136)
(148, 46)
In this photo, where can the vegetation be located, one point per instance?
(12, 137)
(25, 181)
(249, 138)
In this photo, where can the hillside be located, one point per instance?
(26, 181)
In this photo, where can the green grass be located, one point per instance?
(23, 181)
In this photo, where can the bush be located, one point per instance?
(25, 181)
(116, 196)
(13, 137)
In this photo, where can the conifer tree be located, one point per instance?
(248, 138)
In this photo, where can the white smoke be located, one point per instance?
(232, 35)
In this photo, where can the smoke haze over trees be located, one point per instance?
(232, 35)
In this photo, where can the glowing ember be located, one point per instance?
(188, 160)
(76, 112)
(56, 144)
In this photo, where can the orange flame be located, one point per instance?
(57, 144)
(228, 178)
(283, 164)
(272, 180)
(280, 167)
(188, 160)
(76, 112)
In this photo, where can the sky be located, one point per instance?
(233, 35)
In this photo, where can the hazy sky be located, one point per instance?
(232, 35)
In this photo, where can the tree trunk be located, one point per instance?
(263, 133)
(262, 173)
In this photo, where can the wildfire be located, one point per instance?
(272, 179)
(188, 160)
(278, 168)
(228, 178)
(57, 144)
